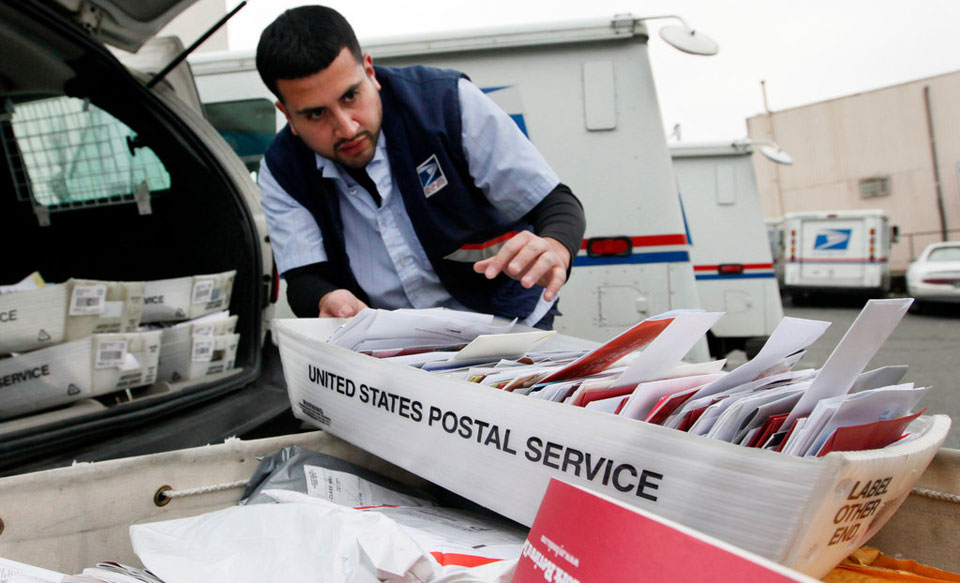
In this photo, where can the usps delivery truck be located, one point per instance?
(584, 94)
(837, 251)
(729, 248)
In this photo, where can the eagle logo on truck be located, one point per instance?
(832, 240)
(431, 176)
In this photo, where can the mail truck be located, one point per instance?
(732, 262)
(837, 251)
(584, 94)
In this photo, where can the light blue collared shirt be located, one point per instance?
(386, 256)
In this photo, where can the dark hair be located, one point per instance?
(303, 41)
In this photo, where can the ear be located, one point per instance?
(368, 69)
(286, 114)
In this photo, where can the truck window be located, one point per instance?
(247, 125)
(74, 154)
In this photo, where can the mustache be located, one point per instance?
(360, 134)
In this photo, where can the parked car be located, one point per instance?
(107, 178)
(935, 275)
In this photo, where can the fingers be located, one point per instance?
(514, 257)
(340, 303)
(531, 260)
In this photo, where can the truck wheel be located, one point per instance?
(753, 345)
(799, 297)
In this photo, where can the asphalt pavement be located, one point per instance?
(927, 341)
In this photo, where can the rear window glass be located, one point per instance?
(247, 125)
(944, 254)
(74, 154)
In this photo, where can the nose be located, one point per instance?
(344, 124)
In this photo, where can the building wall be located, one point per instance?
(837, 143)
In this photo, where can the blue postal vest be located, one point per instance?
(422, 126)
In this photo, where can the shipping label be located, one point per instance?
(88, 299)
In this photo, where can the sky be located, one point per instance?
(805, 50)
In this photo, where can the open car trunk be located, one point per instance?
(81, 138)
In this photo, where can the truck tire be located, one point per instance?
(753, 345)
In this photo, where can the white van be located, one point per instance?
(584, 94)
(837, 251)
(732, 262)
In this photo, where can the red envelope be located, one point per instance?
(868, 436)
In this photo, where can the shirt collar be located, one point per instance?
(330, 169)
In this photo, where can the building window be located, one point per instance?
(874, 187)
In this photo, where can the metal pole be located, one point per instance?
(936, 165)
(166, 70)
(773, 138)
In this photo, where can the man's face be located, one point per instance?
(336, 112)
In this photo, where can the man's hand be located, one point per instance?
(531, 260)
(340, 303)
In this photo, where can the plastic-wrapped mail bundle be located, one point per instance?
(293, 468)
(32, 318)
(500, 449)
(185, 298)
(99, 307)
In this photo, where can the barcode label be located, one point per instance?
(111, 353)
(88, 299)
(202, 349)
(202, 291)
(203, 330)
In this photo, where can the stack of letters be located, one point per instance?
(767, 402)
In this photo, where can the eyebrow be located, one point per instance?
(319, 109)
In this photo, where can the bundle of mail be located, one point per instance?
(89, 338)
(107, 572)
(768, 402)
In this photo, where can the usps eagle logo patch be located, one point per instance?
(431, 176)
(832, 239)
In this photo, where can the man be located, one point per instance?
(403, 187)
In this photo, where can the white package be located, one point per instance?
(184, 298)
(102, 307)
(31, 319)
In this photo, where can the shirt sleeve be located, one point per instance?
(560, 216)
(504, 164)
(294, 234)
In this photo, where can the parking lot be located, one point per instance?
(929, 342)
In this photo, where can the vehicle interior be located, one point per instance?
(103, 181)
